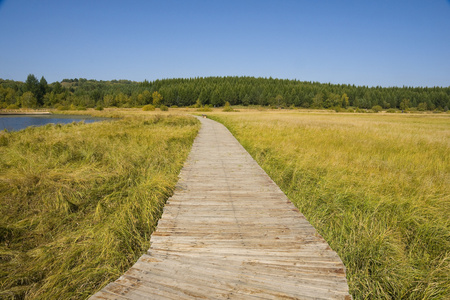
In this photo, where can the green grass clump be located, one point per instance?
(375, 187)
(79, 202)
(227, 107)
(148, 107)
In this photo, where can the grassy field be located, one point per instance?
(78, 202)
(375, 186)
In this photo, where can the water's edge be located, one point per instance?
(21, 113)
(16, 122)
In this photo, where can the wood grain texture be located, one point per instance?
(229, 232)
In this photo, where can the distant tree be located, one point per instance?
(344, 100)
(145, 83)
(404, 105)
(43, 89)
(332, 100)
(58, 88)
(31, 84)
(279, 101)
(96, 95)
(246, 100)
(364, 103)
(140, 99)
(198, 103)
(50, 99)
(318, 100)
(422, 106)
(28, 100)
(121, 99)
(37, 88)
(157, 98)
(215, 98)
(146, 97)
(109, 100)
(7, 95)
(204, 96)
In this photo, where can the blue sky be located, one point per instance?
(387, 43)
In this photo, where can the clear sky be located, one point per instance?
(383, 42)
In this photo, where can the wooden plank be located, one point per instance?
(217, 278)
(230, 232)
(104, 294)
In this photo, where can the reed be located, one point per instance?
(79, 202)
(376, 187)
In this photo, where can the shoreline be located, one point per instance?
(2, 113)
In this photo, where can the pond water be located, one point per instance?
(19, 122)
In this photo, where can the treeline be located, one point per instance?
(216, 91)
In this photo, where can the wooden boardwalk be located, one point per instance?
(229, 232)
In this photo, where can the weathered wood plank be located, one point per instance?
(230, 232)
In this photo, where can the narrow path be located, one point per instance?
(229, 232)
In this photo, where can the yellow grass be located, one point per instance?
(375, 186)
(79, 202)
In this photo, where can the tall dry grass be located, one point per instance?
(78, 203)
(375, 186)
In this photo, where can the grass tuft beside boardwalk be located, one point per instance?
(79, 202)
(375, 186)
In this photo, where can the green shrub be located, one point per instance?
(198, 104)
(377, 108)
(339, 109)
(12, 106)
(163, 108)
(148, 107)
(204, 108)
(61, 107)
(227, 107)
(422, 106)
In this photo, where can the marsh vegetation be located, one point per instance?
(374, 186)
(80, 201)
